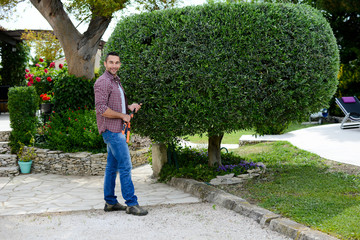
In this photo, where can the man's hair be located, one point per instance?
(111, 54)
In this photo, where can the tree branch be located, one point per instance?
(93, 34)
(53, 11)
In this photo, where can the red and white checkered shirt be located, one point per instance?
(107, 95)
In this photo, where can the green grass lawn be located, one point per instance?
(233, 138)
(301, 186)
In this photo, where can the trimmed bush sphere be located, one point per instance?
(223, 67)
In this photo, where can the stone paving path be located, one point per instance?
(42, 193)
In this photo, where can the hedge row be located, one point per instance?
(22, 105)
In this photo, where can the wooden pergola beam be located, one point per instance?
(6, 38)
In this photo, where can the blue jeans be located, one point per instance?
(118, 160)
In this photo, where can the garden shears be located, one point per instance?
(127, 126)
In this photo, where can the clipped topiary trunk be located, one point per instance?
(214, 150)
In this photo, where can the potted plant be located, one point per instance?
(46, 104)
(25, 157)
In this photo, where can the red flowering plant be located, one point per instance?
(46, 98)
(42, 76)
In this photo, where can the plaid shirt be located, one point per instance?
(107, 95)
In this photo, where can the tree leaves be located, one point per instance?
(260, 66)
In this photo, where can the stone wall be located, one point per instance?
(4, 148)
(4, 136)
(7, 160)
(80, 163)
(58, 162)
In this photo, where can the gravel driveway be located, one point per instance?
(183, 221)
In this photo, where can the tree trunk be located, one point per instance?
(159, 157)
(80, 49)
(214, 150)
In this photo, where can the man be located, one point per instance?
(111, 112)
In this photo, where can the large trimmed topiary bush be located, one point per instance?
(223, 67)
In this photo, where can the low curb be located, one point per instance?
(264, 217)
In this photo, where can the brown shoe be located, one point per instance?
(116, 207)
(136, 210)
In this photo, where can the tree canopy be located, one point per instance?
(224, 67)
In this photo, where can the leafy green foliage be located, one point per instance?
(82, 9)
(233, 138)
(344, 18)
(73, 130)
(154, 5)
(74, 93)
(22, 105)
(224, 67)
(192, 163)
(13, 61)
(44, 43)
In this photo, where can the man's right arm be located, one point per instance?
(109, 113)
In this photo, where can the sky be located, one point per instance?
(27, 17)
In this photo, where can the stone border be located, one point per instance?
(263, 216)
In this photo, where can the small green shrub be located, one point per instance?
(73, 92)
(73, 130)
(26, 154)
(22, 105)
(193, 163)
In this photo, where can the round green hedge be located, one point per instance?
(222, 67)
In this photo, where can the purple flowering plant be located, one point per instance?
(239, 168)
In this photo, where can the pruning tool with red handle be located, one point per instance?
(126, 128)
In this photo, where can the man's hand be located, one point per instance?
(134, 107)
(126, 118)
